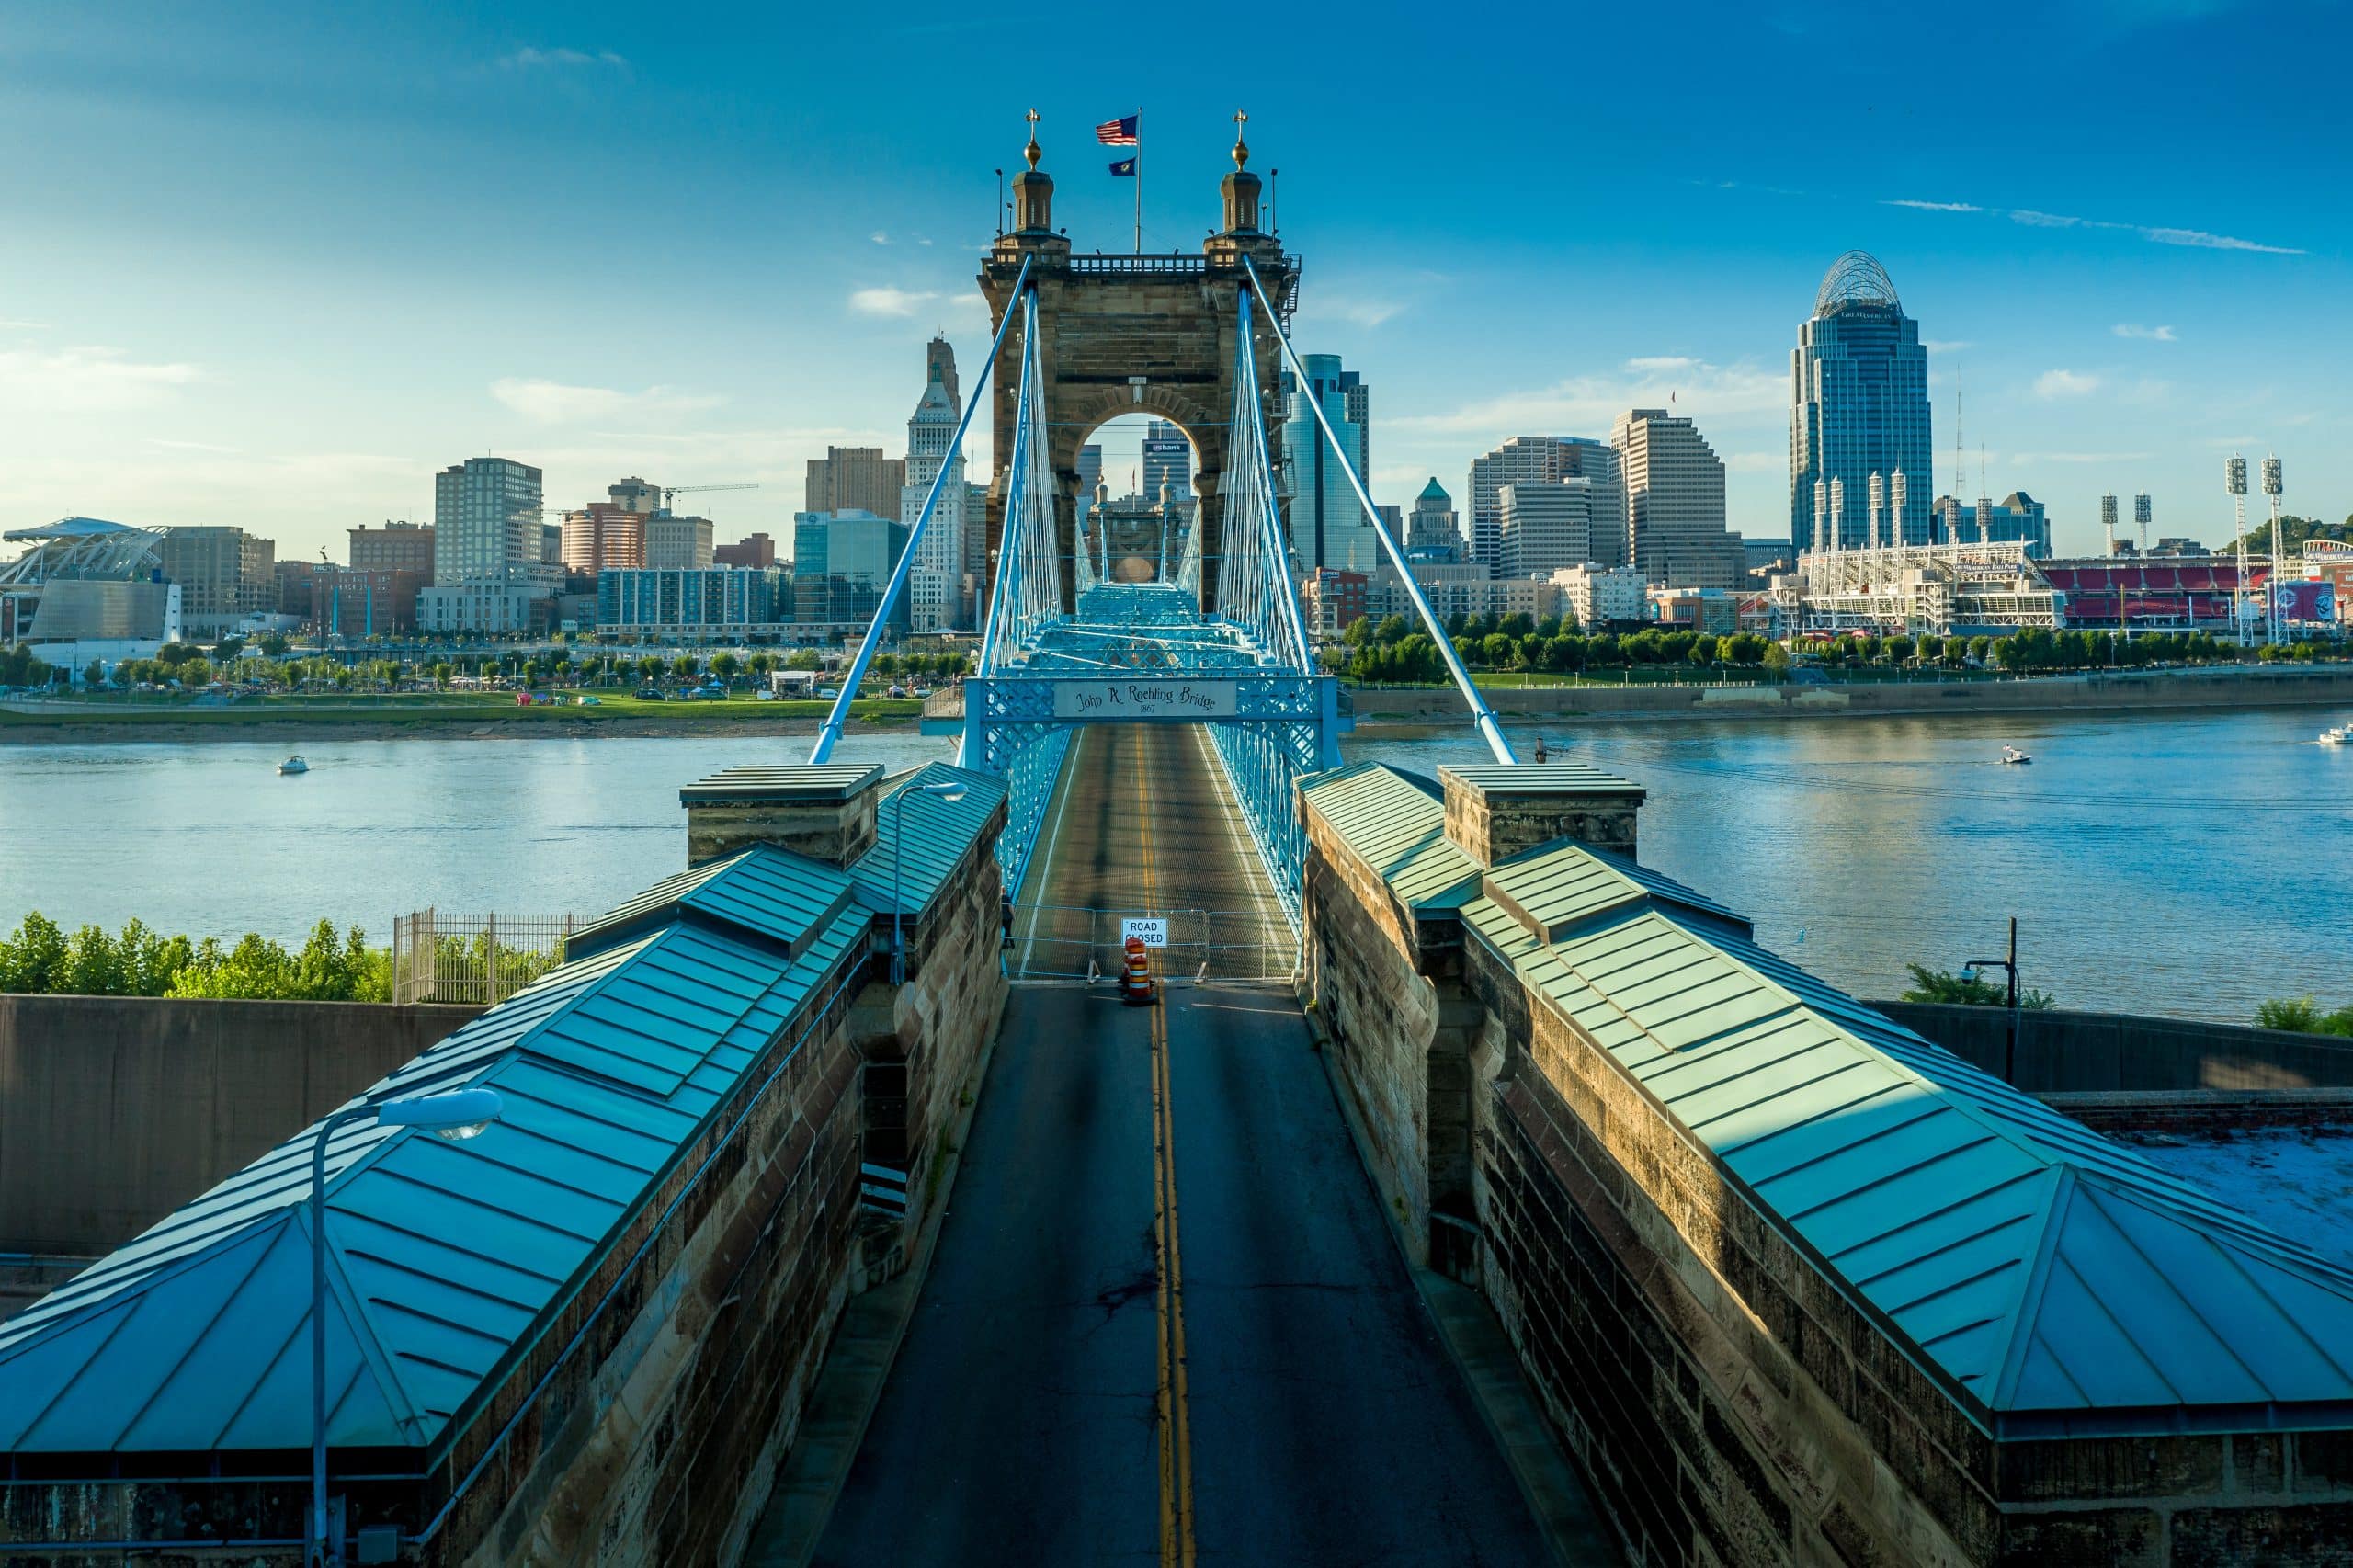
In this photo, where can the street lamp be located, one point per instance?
(2009, 965)
(457, 1116)
(947, 789)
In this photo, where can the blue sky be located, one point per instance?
(276, 264)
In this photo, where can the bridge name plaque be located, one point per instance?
(1145, 699)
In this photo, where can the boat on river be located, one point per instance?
(2012, 756)
(293, 765)
(2337, 735)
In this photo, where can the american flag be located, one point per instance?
(1118, 132)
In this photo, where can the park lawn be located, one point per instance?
(425, 709)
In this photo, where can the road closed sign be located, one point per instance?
(1152, 930)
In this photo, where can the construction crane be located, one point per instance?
(670, 490)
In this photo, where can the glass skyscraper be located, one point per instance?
(1859, 407)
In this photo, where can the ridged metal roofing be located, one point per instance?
(443, 1257)
(762, 889)
(2053, 1280)
(938, 834)
(1551, 778)
(1399, 826)
(825, 781)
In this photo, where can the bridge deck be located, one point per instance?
(1317, 1418)
(1142, 821)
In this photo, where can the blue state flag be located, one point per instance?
(1126, 167)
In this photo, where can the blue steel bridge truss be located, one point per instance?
(1147, 651)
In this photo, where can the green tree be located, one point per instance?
(1968, 990)
(804, 659)
(2302, 1015)
(726, 666)
(34, 960)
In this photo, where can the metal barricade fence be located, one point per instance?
(479, 958)
(1062, 941)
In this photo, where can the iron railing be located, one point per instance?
(477, 958)
(1070, 942)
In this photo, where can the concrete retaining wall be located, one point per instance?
(2091, 1053)
(115, 1111)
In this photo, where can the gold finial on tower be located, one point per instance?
(1033, 152)
(1241, 148)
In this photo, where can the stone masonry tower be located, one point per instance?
(1121, 334)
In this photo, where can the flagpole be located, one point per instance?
(1138, 179)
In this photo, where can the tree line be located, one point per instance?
(40, 959)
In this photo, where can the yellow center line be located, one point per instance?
(1176, 1450)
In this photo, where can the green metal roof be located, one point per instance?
(445, 1259)
(1399, 826)
(938, 834)
(2054, 1281)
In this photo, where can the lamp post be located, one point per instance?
(457, 1116)
(947, 789)
(2010, 965)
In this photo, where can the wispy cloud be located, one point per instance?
(890, 301)
(24, 326)
(2146, 333)
(1588, 404)
(2052, 384)
(191, 447)
(562, 59)
(87, 380)
(1947, 345)
(1364, 312)
(2158, 234)
(879, 237)
(555, 402)
(2027, 458)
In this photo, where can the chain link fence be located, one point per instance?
(478, 958)
(1061, 941)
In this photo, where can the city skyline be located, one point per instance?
(2118, 303)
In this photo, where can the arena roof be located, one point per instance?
(68, 528)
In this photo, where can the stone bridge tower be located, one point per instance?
(1130, 335)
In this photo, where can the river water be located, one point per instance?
(2183, 864)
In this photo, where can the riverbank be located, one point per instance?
(1393, 710)
(299, 719)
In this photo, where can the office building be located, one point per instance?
(1465, 589)
(710, 605)
(1598, 598)
(935, 593)
(1325, 522)
(1330, 600)
(357, 603)
(225, 574)
(977, 564)
(854, 479)
(753, 552)
(1767, 555)
(1167, 460)
(674, 543)
(1545, 527)
(482, 606)
(2016, 519)
(395, 546)
(1355, 398)
(485, 520)
(1090, 471)
(1710, 610)
(633, 495)
(1548, 460)
(841, 564)
(1858, 411)
(1432, 531)
(1675, 502)
(602, 535)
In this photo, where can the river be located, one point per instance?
(2189, 864)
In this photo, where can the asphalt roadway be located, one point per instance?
(1165, 1319)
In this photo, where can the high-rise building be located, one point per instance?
(1090, 472)
(841, 564)
(603, 537)
(1167, 460)
(854, 479)
(1431, 531)
(753, 552)
(1675, 502)
(395, 546)
(1327, 525)
(1858, 408)
(1545, 527)
(225, 574)
(1548, 460)
(633, 495)
(485, 520)
(674, 543)
(935, 596)
(1356, 396)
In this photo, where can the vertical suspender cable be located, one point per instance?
(1484, 715)
(824, 750)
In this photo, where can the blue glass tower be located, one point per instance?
(1859, 405)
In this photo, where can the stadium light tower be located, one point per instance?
(2279, 553)
(2234, 480)
(1899, 496)
(2108, 521)
(1879, 508)
(2141, 514)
